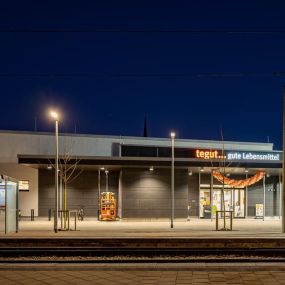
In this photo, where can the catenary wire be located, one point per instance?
(133, 31)
(139, 75)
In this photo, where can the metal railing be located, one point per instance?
(65, 219)
(224, 217)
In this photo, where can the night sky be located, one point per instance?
(107, 64)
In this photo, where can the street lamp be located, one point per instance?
(172, 135)
(107, 172)
(54, 115)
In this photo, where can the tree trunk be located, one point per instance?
(64, 204)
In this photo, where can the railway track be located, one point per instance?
(141, 255)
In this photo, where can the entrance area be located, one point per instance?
(234, 201)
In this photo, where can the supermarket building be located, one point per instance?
(139, 173)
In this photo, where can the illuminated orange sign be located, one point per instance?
(208, 154)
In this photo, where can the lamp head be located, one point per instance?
(172, 135)
(54, 115)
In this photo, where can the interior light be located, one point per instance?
(190, 173)
(49, 167)
(151, 168)
(202, 169)
(246, 170)
(102, 168)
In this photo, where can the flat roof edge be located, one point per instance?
(137, 138)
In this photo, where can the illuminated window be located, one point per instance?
(24, 185)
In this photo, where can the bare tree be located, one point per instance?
(223, 164)
(223, 167)
(68, 171)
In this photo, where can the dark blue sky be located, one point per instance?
(106, 101)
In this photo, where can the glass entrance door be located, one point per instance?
(239, 201)
(234, 201)
(8, 206)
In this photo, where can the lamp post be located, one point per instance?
(55, 117)
(107, 186)
(172, 135)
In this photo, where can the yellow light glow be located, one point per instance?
(54, 115)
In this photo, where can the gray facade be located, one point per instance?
(81, 193)
(272, 197)
(147, 194)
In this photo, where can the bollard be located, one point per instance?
(19, 214)
(32, 214)
(49, 214)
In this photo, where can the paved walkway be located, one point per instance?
(194, 228)
(82, 275)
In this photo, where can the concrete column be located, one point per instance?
(120, 196)
(264, 198)
(280, 197)
(199, 202)
(283, 184)
(211, 193)
(246, 198)
(99, 192)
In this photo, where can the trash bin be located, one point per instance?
(207, 212)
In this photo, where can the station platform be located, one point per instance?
(195, 228)
(196, 233)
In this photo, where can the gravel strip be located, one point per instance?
(209, 258)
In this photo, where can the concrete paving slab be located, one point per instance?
(270, 228)
(80, 274)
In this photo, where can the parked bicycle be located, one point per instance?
(80, 214)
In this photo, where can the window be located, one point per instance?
(24, 185)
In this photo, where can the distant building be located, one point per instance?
(139, 174)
